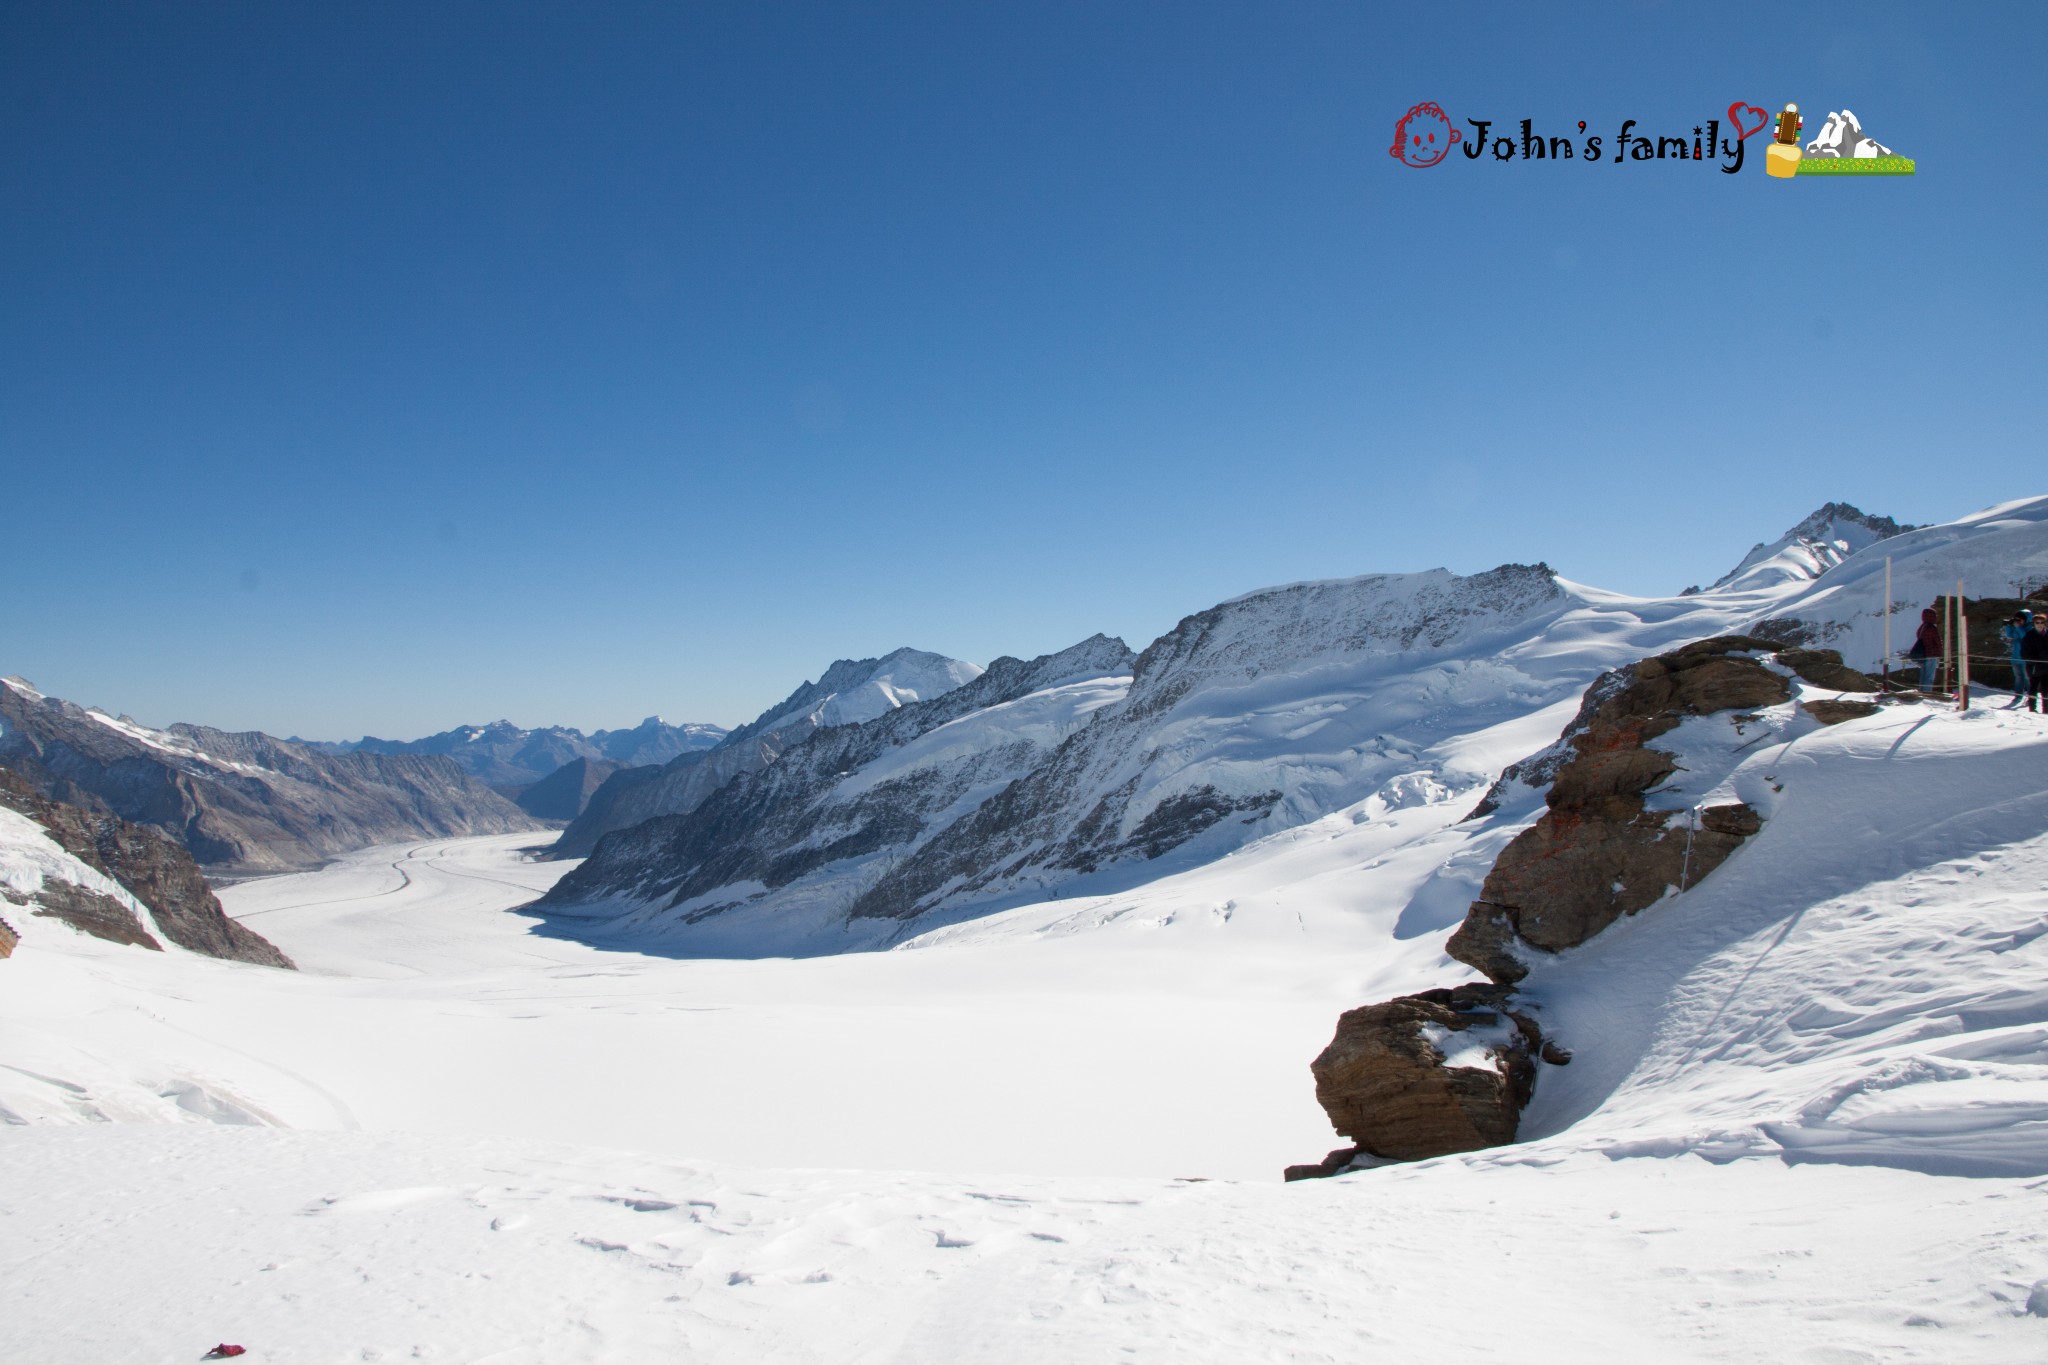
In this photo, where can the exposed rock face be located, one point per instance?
(90, 912)
(847, 793)
(241, 802)
(155, 869)
(1835, 712)
(563, 794)
(1597, 854)
(849, 692)
(1384, 1082)
(1398, 1079)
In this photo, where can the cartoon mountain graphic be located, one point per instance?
(1842, 135)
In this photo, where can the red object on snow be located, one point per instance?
(223, 1351)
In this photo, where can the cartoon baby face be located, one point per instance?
(1424, 136)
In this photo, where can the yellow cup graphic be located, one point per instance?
(1781, 160)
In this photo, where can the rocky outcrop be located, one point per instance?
(153, 868)
(90, 912)
(1597, 852)
(241, 802)
(1392, 1079)
(1426, 1075)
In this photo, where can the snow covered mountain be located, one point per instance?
(1262, 714)
(502, 755)
(794, 844)
(240, 802)
(850, 691)
(1823, 540)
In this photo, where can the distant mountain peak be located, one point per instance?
(1824, 538)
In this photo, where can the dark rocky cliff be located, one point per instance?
(155, 869)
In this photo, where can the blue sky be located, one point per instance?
(380, 368)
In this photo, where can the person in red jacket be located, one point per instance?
(1927, 647)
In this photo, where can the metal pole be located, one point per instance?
(1884, 665)
(1962, 651)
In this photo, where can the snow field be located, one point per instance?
(358, 1247)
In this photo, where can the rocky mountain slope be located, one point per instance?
(794, 844)
(243, 802)
(565, 793)
(850, 691)
(104, 876)
(504, 755)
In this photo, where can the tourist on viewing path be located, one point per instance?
(2014, 632)
(2034, 649)
(1927, 648)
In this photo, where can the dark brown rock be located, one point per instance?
(1835, 712)
(1824, 668)
(1384, 1084)
(90, 912)
(156, 869)
(1596, 854)
(1336, 1163)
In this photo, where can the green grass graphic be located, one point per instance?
(1856, 165)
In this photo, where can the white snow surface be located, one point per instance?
(1806, 1118)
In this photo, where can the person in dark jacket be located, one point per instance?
(2014, 633)
(2034, 649)
(1927, 648)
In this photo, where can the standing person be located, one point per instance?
(2034, 649)
(2014, 633)
(1927, 648)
